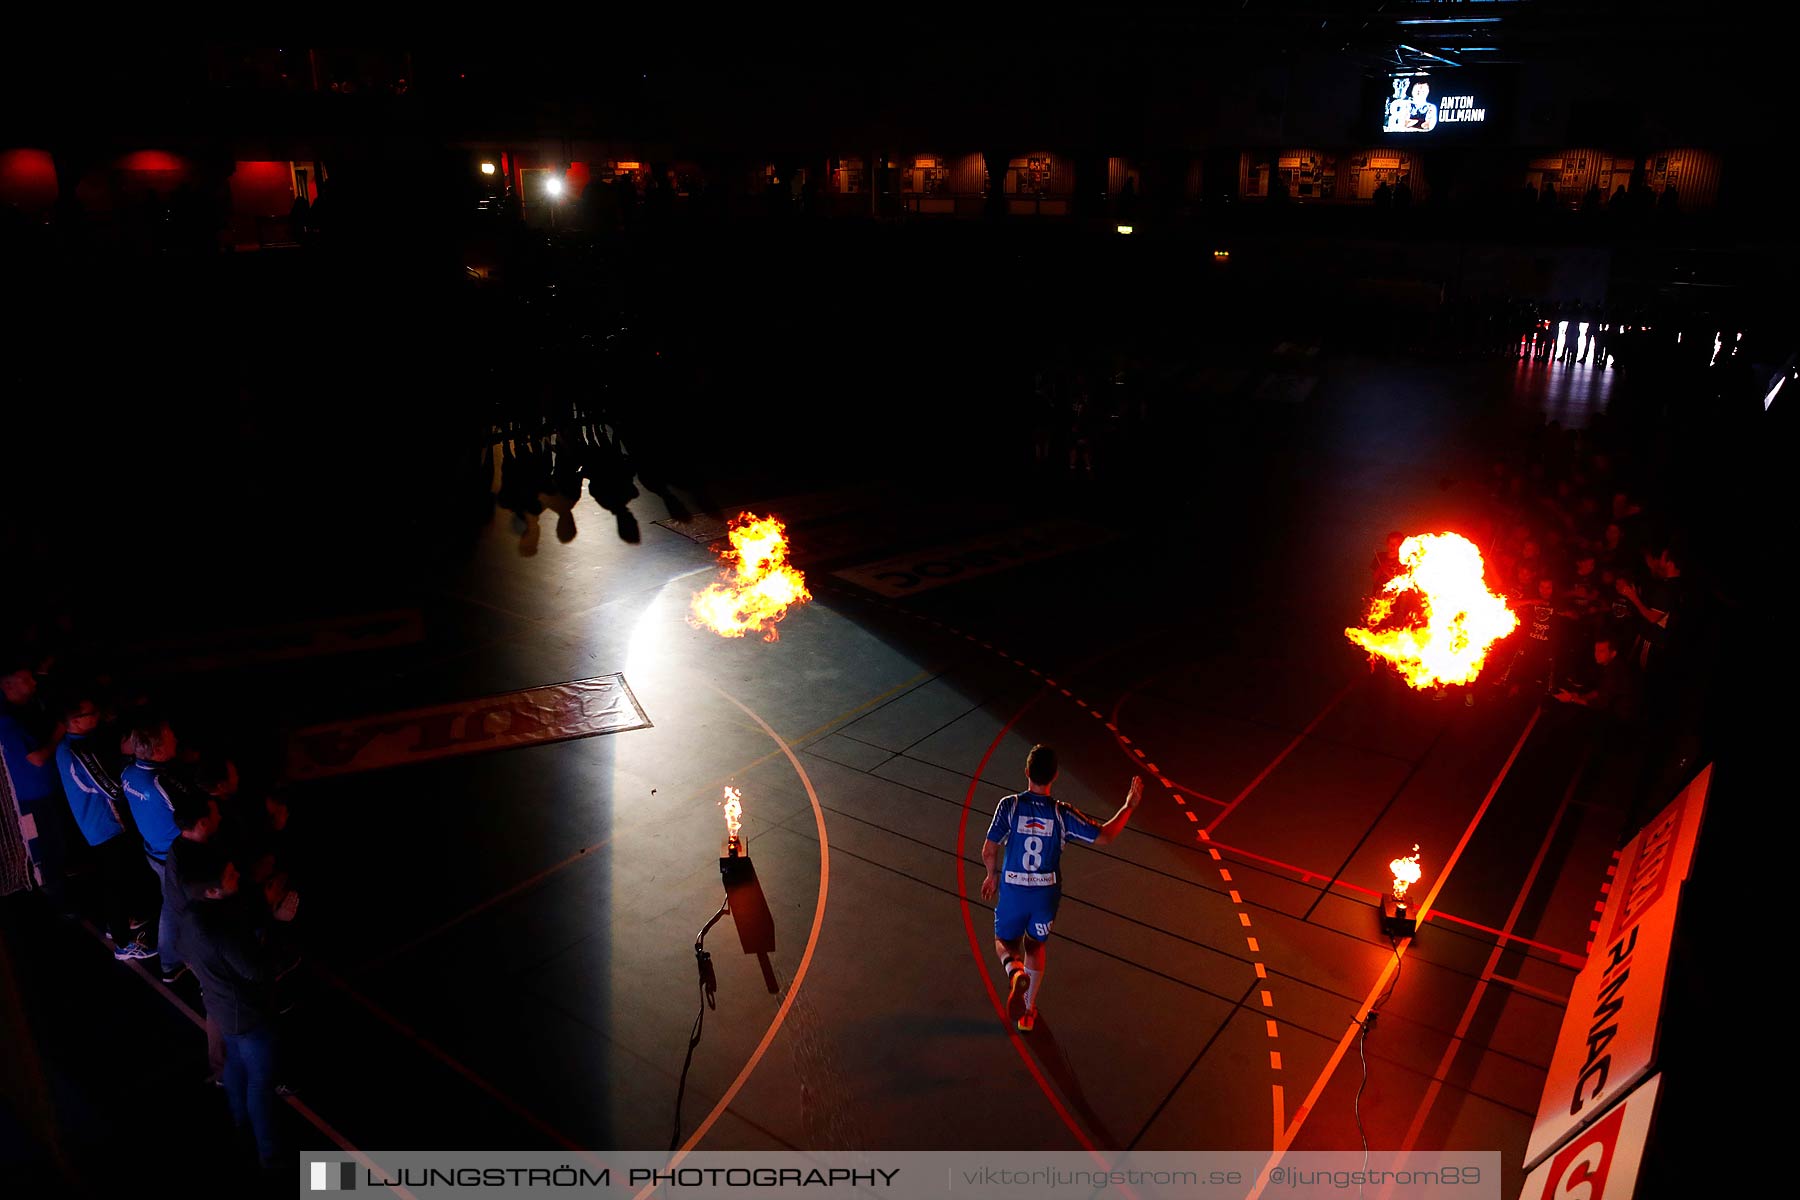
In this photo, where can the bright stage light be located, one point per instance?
(487, 168)
(1123, 228)
(553, 187)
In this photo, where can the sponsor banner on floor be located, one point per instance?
(1602, 1161)
(553, 713)
(921, 570)
(971, 1174)
(1609, 1031)
(232, 648)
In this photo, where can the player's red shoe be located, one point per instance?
(1015, 996)
(1028, 1020)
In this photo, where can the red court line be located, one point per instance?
(1389, 968)
(1519, 985)
(1479, 992)
(1282, 757)
(1569, 957)
(1308, 877)
(962, 899)
(806, 956)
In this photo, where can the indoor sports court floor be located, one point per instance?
(504, 941)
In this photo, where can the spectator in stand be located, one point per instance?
(1610, 689)
(88, 762)
(1658, 606)
(1536, 659)
(1610, 553)
(1524, 585)
(1627, 514)
(28, 739)
(1585, 601)
(152, 782)
(1530, 557)
(1082, 420)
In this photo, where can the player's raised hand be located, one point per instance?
(1135, 792)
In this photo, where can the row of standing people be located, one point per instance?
(184, 869)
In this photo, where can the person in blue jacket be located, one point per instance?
(88, 763)
(152, 783)
(28, 740)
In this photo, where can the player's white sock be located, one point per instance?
(1037, 981)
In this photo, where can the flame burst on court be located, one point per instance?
(1406, 872)
(1436, 619)
(759, 585)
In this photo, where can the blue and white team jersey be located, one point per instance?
(1034, 828)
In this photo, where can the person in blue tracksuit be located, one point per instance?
(28, 740)
(152, 783)
(87, 762)
(1023, 857)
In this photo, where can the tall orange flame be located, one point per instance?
(758, 585)
(1407, 872)
(1446, 639)
(734, 812)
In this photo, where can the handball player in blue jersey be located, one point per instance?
(1023, 856)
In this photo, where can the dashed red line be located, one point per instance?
(1202, 833)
